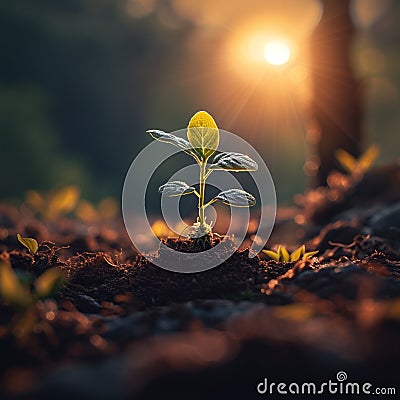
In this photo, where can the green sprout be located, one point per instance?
(25, 295)
(18, 291)
(283, 255)
(203, 140)
(30, 243)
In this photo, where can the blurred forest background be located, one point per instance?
(82, 80)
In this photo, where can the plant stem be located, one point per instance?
(202, 219)
(210, 202)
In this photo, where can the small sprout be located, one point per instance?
(357, 166)
(49, 283)
(20, 294)
(30, 243)
(203, 141)
(12, 290)
(283, 255)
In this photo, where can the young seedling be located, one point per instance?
(357, 167)
(282, 255)
(21, 294)
(203, 140)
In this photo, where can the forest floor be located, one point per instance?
(122, 327)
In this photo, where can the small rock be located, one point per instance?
(87, 304)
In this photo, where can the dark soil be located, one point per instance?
(122, 327)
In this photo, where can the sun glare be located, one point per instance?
(277, 53)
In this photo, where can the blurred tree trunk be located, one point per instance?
(336, 106)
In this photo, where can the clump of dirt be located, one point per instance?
(196, 245)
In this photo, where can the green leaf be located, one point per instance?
(309, 254)
(233, 162)
(176, 188)
(30, 243)
(11, 289)
(49, 282)
(298, 253)
(203, 134)
(275, 256)
(236, 198)
(284, 255)
(165, 137)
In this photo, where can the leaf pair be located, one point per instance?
(282, 255)
(229, 161)
(18, 293)
(203, 135)
(360, 165)
(232, 197)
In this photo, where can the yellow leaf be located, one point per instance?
(64, 200)
(11, 289)
(309, 254)
(298, 253)
(272, 254)
(346, 160)
(203, 134)
(30, 243)
(368, 158)
(284, 254)
(49, 282)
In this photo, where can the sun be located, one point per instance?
(277, 52)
